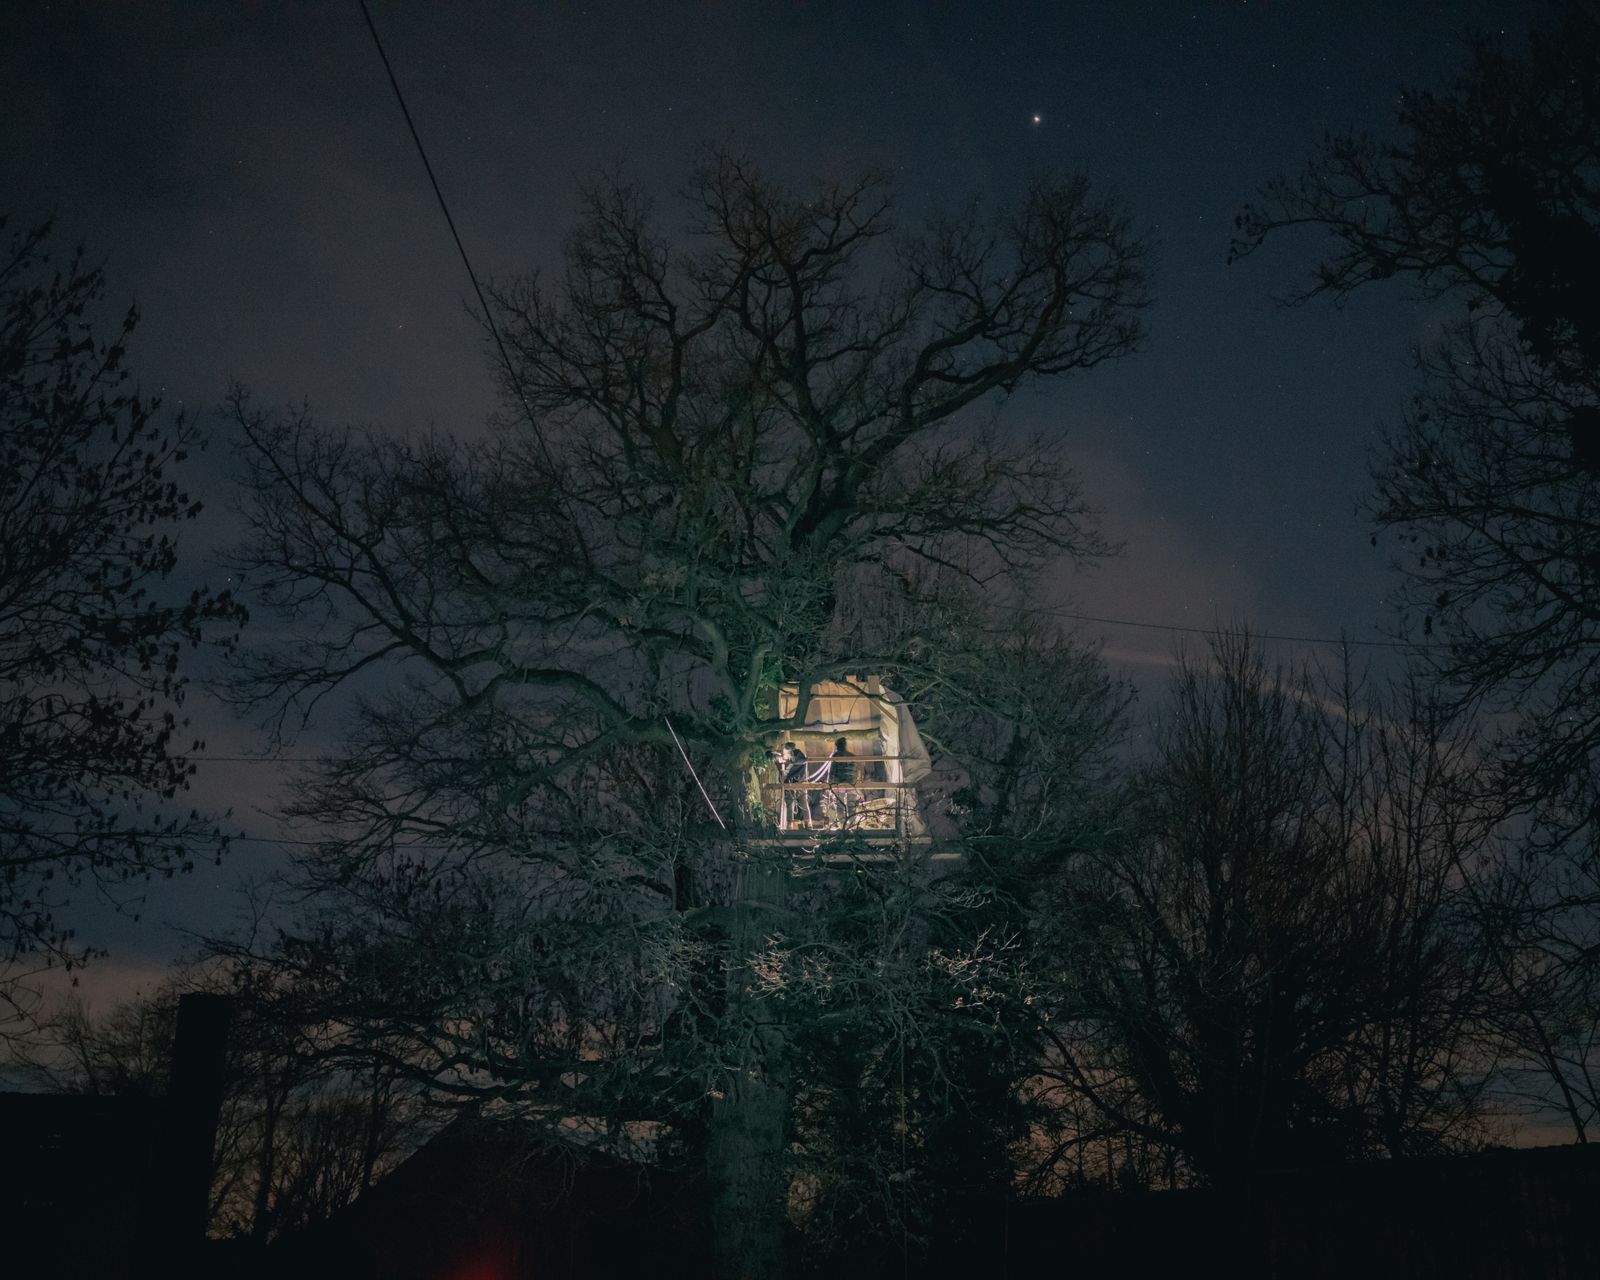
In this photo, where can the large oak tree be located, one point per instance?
(744, 451)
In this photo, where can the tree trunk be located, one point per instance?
(749, 1123)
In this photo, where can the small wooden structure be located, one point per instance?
(849, 767)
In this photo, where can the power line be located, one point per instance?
(223, 838)
(1099, 619)
(202, 758)
(483, 302)
(433, 181)
(1180, 628)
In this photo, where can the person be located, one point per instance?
(797, 803)
(873, 771)
(844, 769)
(842, 773)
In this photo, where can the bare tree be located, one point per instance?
(1490, 196)
(737, 458)
(1276, 962)
(300, 1133)
(1492, 481)
(92, 753)
(306, 1128)
(126, 1052)
(1543, 934)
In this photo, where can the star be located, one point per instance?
(1037, 119)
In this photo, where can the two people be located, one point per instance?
(841, 799)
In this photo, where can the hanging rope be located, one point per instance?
(690, 763)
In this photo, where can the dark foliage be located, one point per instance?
(91, 740)
(1491, 484)
(1491, 195)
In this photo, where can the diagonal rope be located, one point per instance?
(704, 794)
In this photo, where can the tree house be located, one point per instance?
(848, 767)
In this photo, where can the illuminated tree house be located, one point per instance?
(849, 767)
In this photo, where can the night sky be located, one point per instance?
(247, 177)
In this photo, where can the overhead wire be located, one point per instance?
(1183, 629)
(494, 329)
(1098, 619)
(483, 302)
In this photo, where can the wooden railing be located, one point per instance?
(872, 804)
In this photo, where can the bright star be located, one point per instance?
(1037, 118)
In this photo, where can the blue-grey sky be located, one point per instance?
(246, 175)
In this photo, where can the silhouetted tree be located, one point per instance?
(300, 1133)
(126, 1052)
(1275, 962)
(1492, 482)
(91, 634)
(306, 1128)
(746, 461)
(1542, 930)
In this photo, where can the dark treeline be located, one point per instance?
(1278, 943)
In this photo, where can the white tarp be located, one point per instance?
(915, 764)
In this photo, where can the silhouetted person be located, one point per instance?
(844, 769)
(842, 773)
(797, 803)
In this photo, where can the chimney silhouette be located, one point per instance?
(194, 1104)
